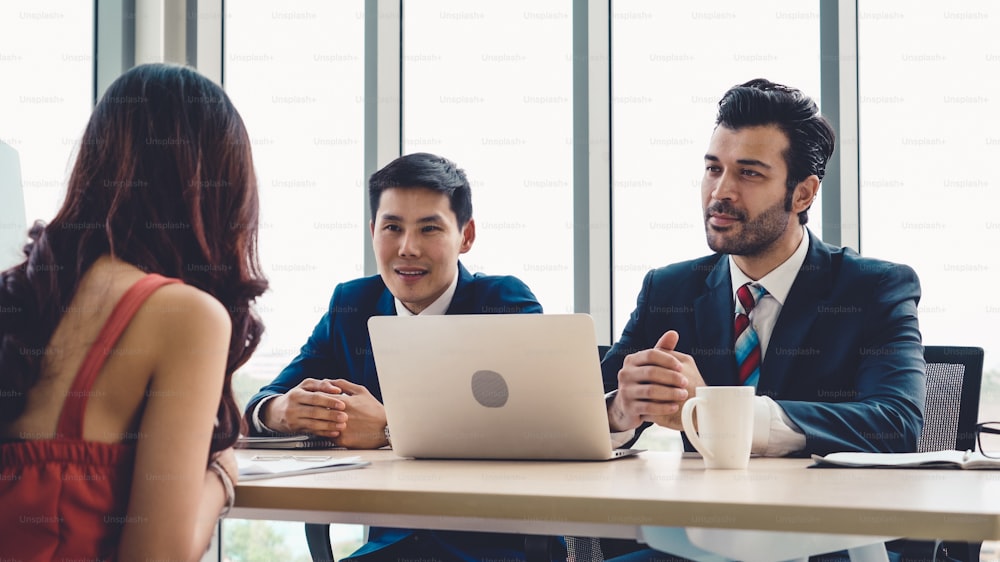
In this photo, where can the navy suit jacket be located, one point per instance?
(340, 347)
(844, 361)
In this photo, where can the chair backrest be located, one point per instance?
(951, 409)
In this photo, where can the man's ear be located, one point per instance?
(468, 236)
(805, 193)
(371, 228)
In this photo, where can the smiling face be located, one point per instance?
(417, 242)
(749, 211)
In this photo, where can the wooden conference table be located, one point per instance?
(618, 498)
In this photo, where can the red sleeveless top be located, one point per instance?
(66, 498)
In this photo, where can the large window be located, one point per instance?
(929, 109)
(296, 73)
(671, 62)
(489, 85)
(46, 64)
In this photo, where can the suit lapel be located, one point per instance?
(809, 291)
(713, 323)
(386, 305)
(460, 302)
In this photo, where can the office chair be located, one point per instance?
(954, 378)
(951, 409)
(318, 539)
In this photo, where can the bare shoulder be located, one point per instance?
(186, 304)
(184, 315)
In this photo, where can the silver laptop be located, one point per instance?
(493, 386)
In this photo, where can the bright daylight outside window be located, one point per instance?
(671, 62)
(296, 74)
(928, 131)
(46, 60)
(502, 110)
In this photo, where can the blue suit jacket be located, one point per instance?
(844, 361)
(340, 347)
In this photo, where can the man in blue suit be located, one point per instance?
(838, 364)
(421, 223)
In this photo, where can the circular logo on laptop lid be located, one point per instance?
(489, 389)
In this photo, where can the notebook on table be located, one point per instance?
(493, 386)
(929, 459)
(260, 466)
(285, 442)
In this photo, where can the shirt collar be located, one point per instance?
(438, 307)
(778, 281)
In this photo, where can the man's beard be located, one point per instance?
(753, 236)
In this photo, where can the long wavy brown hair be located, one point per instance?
(163, 180)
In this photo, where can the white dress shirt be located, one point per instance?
(774, 434)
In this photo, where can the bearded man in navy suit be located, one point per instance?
(841, 361)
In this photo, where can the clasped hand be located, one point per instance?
(653, 386)
(337, 409)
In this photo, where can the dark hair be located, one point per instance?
(422, 169)
(163, 180)
(810, 137)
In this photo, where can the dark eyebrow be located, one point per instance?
(428, 219)
(752, 162)
(742, 162)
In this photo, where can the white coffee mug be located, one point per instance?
(725, 424)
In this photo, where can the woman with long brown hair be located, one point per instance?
(121, 330)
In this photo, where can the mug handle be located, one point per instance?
(687, 421)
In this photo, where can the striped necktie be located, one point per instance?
(747, 342)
